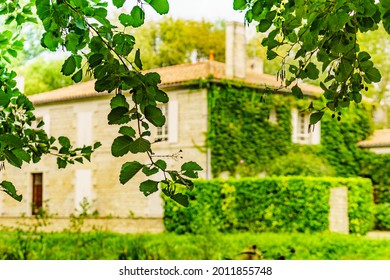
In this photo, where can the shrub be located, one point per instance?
(300, 163)
(272, 204)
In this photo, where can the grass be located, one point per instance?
(111, 246)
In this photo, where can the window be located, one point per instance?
(169, 131)
(272, 118)
(37, 192)
(303, 128)
(301, 133)
(162, 132)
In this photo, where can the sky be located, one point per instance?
(210, 10)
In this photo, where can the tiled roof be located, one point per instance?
(171, 76)
(380, 138)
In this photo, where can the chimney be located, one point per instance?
(235, 50)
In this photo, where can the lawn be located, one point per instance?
(215, 246)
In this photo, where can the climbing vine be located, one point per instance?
(245, 141)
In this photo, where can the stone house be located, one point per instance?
(378, 143)
(80, 113)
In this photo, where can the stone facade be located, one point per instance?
(84, 121)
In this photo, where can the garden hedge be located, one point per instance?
(271, 204)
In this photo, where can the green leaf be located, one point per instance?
(124, 43)
(152, 78)
(23, 155)
(191, 174)
(363, 56)
(148, 187)
(139, 145)
(264, 25)
(344, 70)
(312, 71)
(127, 130)
(271, 54)
(97, 145)
(316, 117)
(161, 164)
(11, 140)
(161, 96)
(239, 5)
(119, 115)
(161, 6)
(72, 42)
(154, 115)
(78, 76)
(43, 8)
(121, 146)
(357, 97)
(118, 3)
(69, 66)
(185, 182)
(181, 199)
(129, 170)
(135, 19)
(119, 100)
(61, 163)
(297, 92)
(149, 172)
(191, 165)
(10, 189)
(12, 52)
(95, 59)
(373, 75)
(12, 158)
(137, 59)
(64, 141)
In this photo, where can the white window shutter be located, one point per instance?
(294, 125)
(83, 187)
(316, 134)
(173, 121)
(84, 128)
(46, 126)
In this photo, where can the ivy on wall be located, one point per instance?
(245, 142)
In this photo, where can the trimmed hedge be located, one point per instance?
(272, 204)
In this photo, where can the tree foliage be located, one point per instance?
(43, 75)
(176, 41)
(322, 36)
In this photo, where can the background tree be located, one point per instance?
(41, 75)
(176, 41)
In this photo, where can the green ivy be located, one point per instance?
(244, 142)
